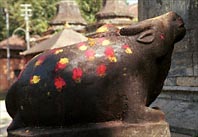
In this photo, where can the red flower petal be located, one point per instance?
(127, 49)
(125, 46)
(100, 40)
(90, 54)
(109, 52)
(77, 74)
(101, 70)
(59, 66)
(40, 60)
(59, 83)
(162, 36)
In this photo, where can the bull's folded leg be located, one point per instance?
(154, 115)
(144, 114)
(137, 111)
(16, 123)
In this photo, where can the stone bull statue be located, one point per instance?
(103, 79)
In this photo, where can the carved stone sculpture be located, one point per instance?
(112, 78)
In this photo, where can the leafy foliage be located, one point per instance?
(89, 8)
(42, 12)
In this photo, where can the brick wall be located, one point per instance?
(15, 64)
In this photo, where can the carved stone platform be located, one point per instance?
(106, 129)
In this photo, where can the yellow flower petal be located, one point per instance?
(102, 29)
(58, 51)
(91, 42)
(128, 51)
(105, 42)
(35, 79)
(64, 60)
(112, 59)
(38, 62)
(83, 47)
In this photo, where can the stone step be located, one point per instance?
(180, 105)
(104, 129)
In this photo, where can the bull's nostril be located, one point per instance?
(181, 25)
(180, 22)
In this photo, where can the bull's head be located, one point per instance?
(169, 26)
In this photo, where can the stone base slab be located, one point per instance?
(105, 129)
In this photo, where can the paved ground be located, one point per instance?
(5, 120)
(180, 115)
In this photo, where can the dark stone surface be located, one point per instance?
(108, 129)
(103, 79)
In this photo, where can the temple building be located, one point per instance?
(68, 15)
(15, 62)
(115, 12)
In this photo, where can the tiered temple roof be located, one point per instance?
(115, 12)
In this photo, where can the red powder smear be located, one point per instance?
(109, 52)
(40, 60)
(56, 51)
(61, 64)
(101, 70)
(90, 54)
(162, 36)
(127, 49)
(59, 83)
(77, 74)
(125, 46)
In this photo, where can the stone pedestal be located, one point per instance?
(106, 129)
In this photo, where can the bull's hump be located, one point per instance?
(86, 58)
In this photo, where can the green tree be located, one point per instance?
(89, 8)
(42, 13)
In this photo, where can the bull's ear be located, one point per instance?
(146, 36)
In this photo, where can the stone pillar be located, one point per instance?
(184, 69)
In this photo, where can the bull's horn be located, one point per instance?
(134, 29)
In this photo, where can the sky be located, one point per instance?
(132, 1)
